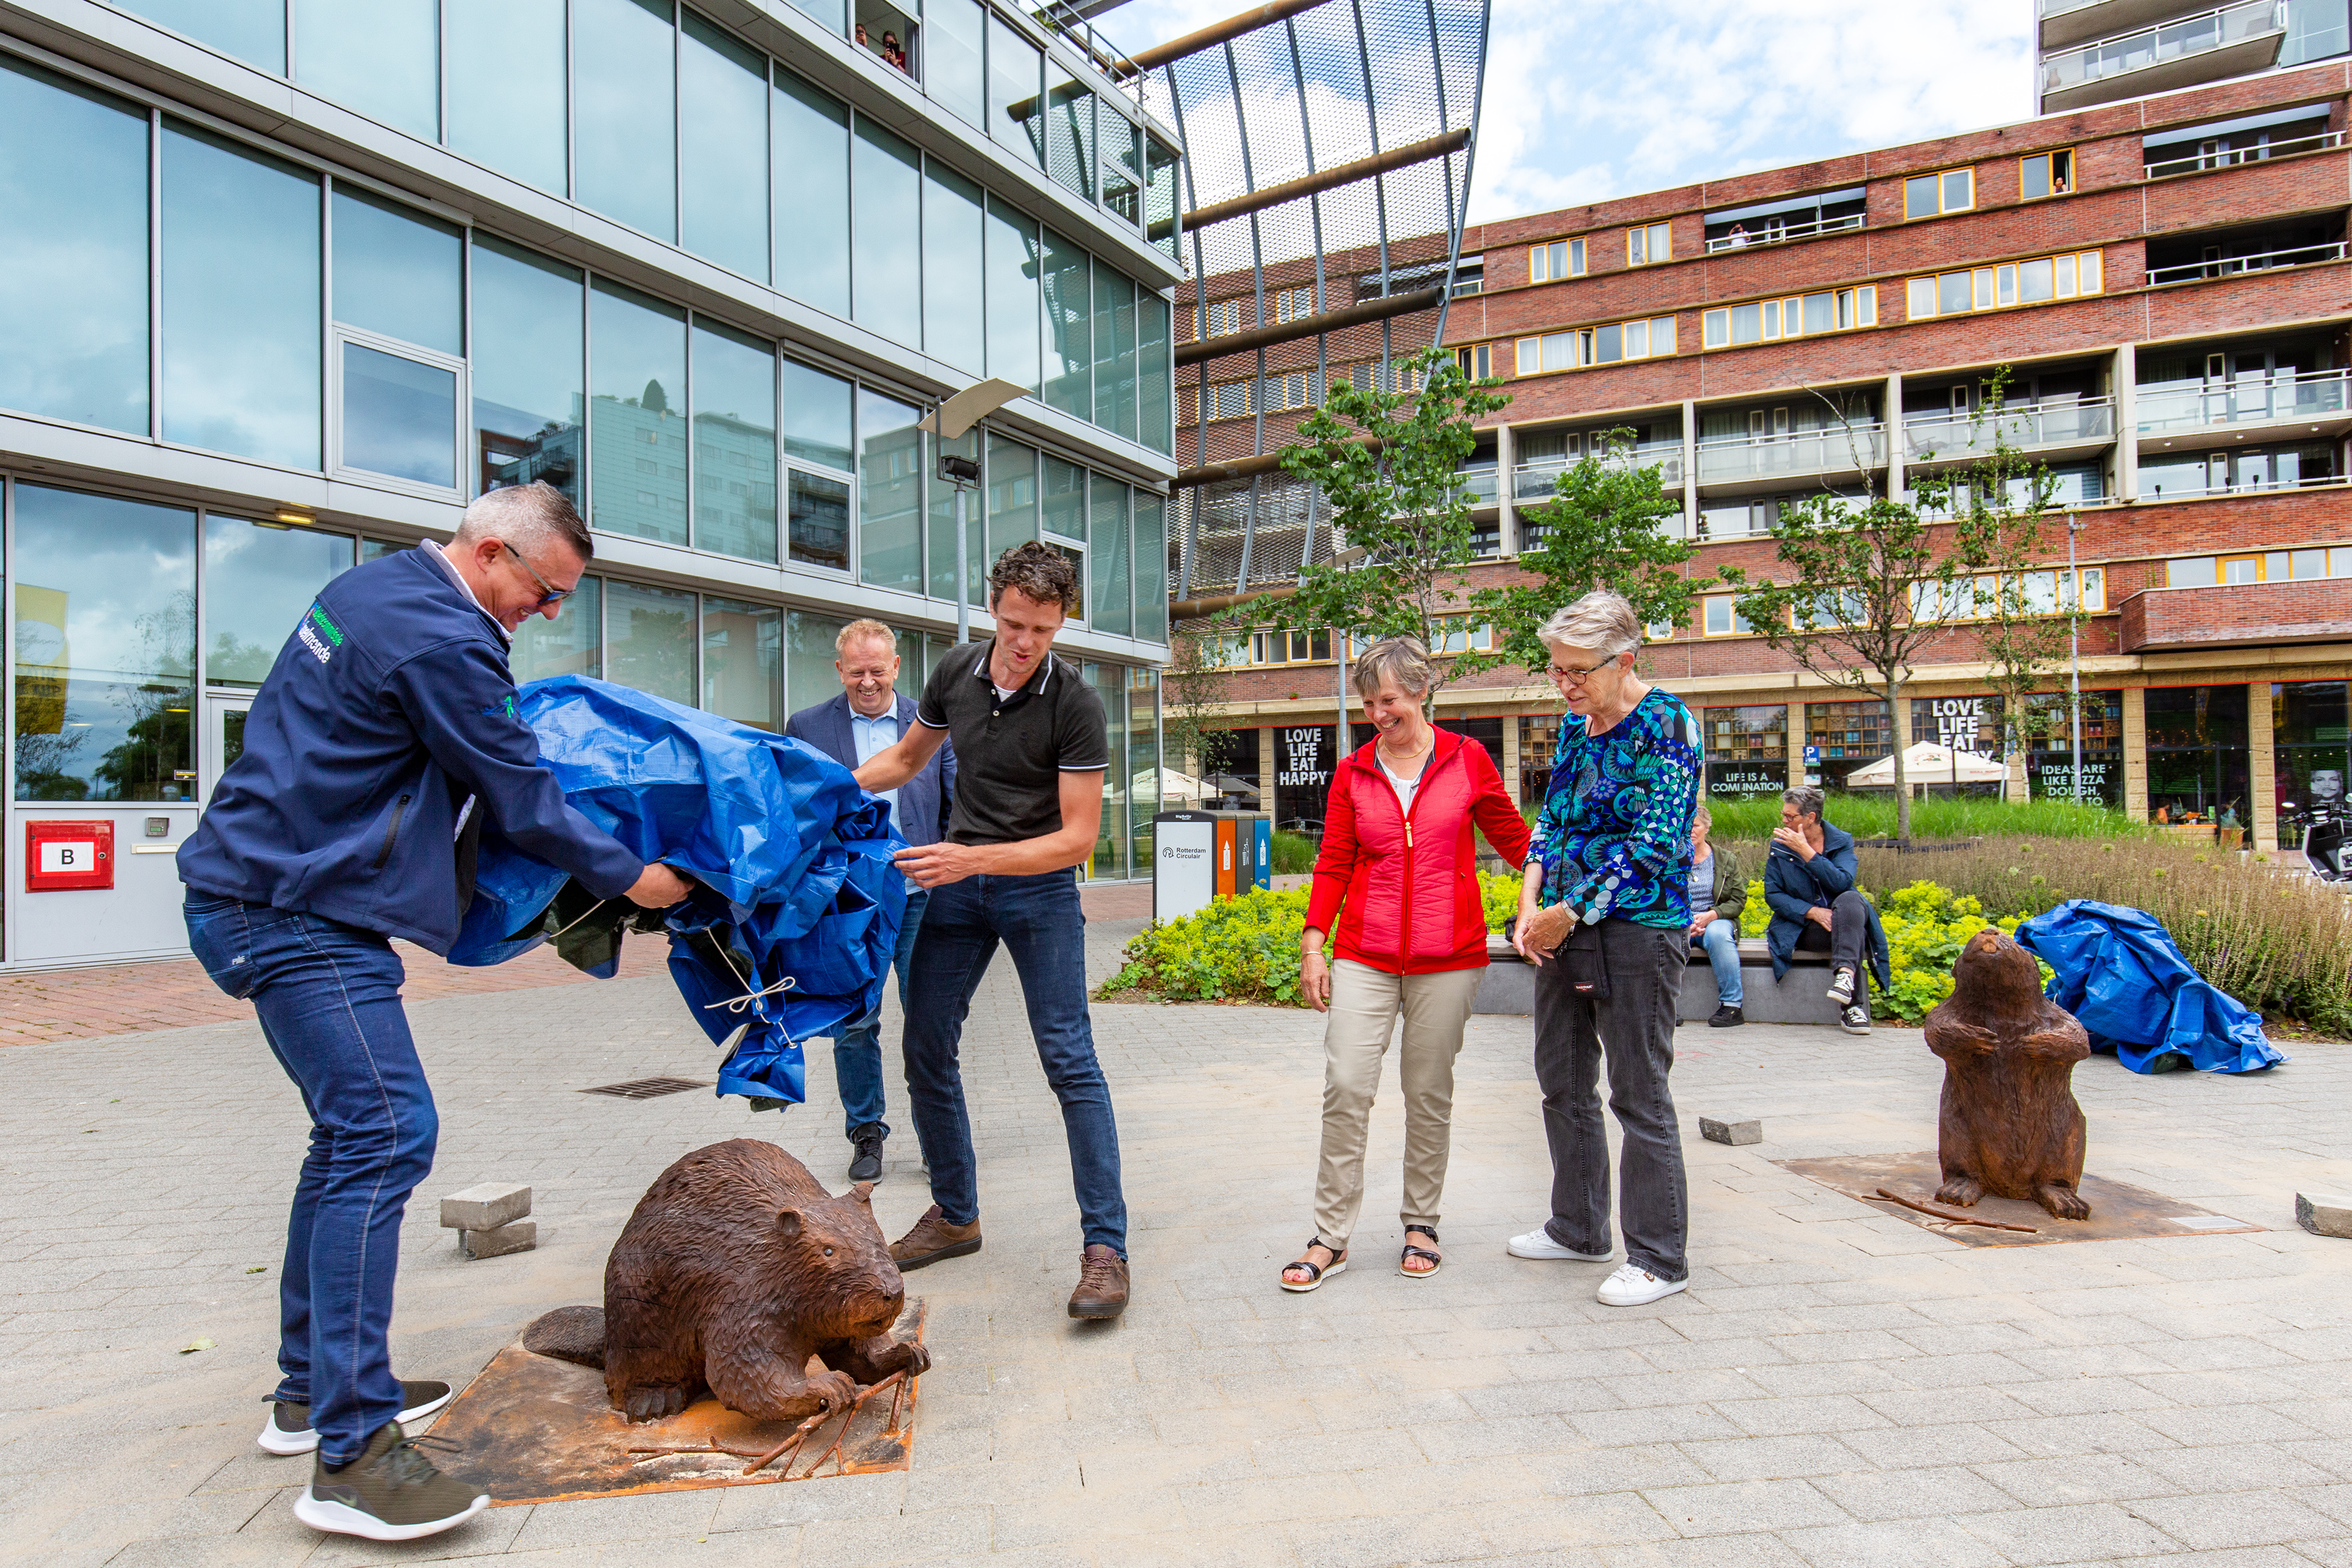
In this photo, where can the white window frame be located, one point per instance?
(2051, 175)
(1942, 207)
(786, 464)
(1648, 243)
(2074, 275)
(1733, 625)
(461, 452)
(1571, 254)
(1850, 310)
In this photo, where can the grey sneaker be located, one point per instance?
(1841, 987)
(287, 1430)
(391, 1492)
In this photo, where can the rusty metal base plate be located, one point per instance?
(2118, 1209)
(533, 1429)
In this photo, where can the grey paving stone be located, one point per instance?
(1741, 1506)
(2236, 1518)
(2077, 1533)
(1914, 1543)
(1880, 1495)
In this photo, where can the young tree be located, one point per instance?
(1606, 526)
(1389, 465)
(1193, 692)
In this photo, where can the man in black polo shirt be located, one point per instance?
(1031, 752)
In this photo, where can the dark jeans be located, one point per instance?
(1634, 1028)
(857, 1049)
(1848, 929)
(329, 998)
(1038, 920)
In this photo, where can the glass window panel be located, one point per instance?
(571, 644)
(2066, 284)
(1952, 293)
(382, 58)
(734, 444)
(1016, 79)
(1142, 764)
(1069, 328)
(649, 639)
(1919, 196)
(1151, 567)
(1070, 150)
(1012, 496)
(2005, 289)
(942, 523)
(1066, 499)
(397, 274)
(723, 148)
(251, 30)
(73, 297)
(504, 73)
(952, 30)
(1957, 195)
(1821, 313)
(2307, 562)
(810, 677)
(886, 259)
(2090, 266)
(526, 369)
(1108, 535)
(955, 322)
(1122, 163)
(1115, 352)
(1156, 373)
(636, 400)
(258, 579)
(1983, 287)
(1160, 205)
(105, 602)
(1109, 681)
(2033, 281)
(400, 417)
(889, 492)
(818, 525)
(1013, 264)
(817, 415)
(744, 662)
(1609, 343)
(1747, 324)
(624, 124)
(240, 316)
(811, 163)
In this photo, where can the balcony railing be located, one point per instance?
(1537, 480)
(1727, 459)
(2028, 426)
(2203, 34)
(1784, 233)
(2262, 261)
(2187, 490)
(2279, 399)
(2222, 158)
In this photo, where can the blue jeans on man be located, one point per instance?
(1039, 920)
(328, 996)
(1721, 941)
(857, 1049)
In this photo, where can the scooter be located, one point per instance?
(2323, 843)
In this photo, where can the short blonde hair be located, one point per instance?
(1400, 659)
(1601, 621)
(857, 630)
(1702, 821)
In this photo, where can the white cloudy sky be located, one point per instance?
(1592, 99)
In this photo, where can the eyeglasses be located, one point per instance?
(1579, 676)
(548, 592)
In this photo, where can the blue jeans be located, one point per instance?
(329, 998)
(1038, 920)
(1721, 939)
(857, 1049)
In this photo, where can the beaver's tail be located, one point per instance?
(575, 1334)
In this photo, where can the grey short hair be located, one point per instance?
(1400, 659)
(1601, 621)
(526, 517)
(1808, 800)
(857, 630)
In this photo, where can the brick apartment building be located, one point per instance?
(2165, 278)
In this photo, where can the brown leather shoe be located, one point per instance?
(934, 1238)
(1102, 1284)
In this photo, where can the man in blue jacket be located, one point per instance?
(1809, 883)
(386, 729)
(867, 719)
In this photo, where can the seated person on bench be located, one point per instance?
(1808, 880)
(1718, 895)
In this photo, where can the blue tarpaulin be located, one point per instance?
(2120, 973)
(791, 928)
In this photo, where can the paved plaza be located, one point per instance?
(1836, 1387)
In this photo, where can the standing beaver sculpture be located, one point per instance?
(2009, 1123)
(736, 1267)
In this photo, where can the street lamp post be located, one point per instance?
(2074, 652)
(948, 421)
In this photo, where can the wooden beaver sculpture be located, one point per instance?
(735, 1269)
(2009, 1125)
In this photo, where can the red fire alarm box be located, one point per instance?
(63, 857)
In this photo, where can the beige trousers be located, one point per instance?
(1365, 1003)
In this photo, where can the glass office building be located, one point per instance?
(292, 281)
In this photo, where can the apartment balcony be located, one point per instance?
(1728, 464)
(2229, 40)
(2232, 266)
(2065, 22)
(2201, 414)
(2044, 430)
(1537, 481)
(2241, 614)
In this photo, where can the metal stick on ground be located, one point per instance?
(1957, 1218)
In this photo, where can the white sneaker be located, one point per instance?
(1538, 1243)
(1634, 1286)
(1841, 989)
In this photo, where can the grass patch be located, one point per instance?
(1937, 818)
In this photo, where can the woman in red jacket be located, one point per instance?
(1396, 890)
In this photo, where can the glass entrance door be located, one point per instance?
(224, 736)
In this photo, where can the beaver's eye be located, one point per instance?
(828, 1252)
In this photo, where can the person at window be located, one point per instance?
(861, 36)
(1397, 834)
(1808, 882)
(891, 52)
(1719, 895)
(1611, 848)
(1738, 236)
(384, 735)
(1031, 753)
(867, 719)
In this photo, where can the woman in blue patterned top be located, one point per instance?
(1612, 853)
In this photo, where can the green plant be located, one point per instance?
(1294, 853)
(1940, 817)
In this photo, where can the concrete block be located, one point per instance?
(520, 1235)
(1734, 1132)
(485, 1207)
(2323, 1214)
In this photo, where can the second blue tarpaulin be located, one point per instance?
(2118, 970)
(796, 909)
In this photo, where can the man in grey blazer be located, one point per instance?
(867, 717)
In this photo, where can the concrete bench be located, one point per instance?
(1508, 987)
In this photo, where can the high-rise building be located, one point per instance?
(289, 282)
(2090, 52)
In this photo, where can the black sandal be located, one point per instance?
(1436, 1260)
(1315, 1276)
